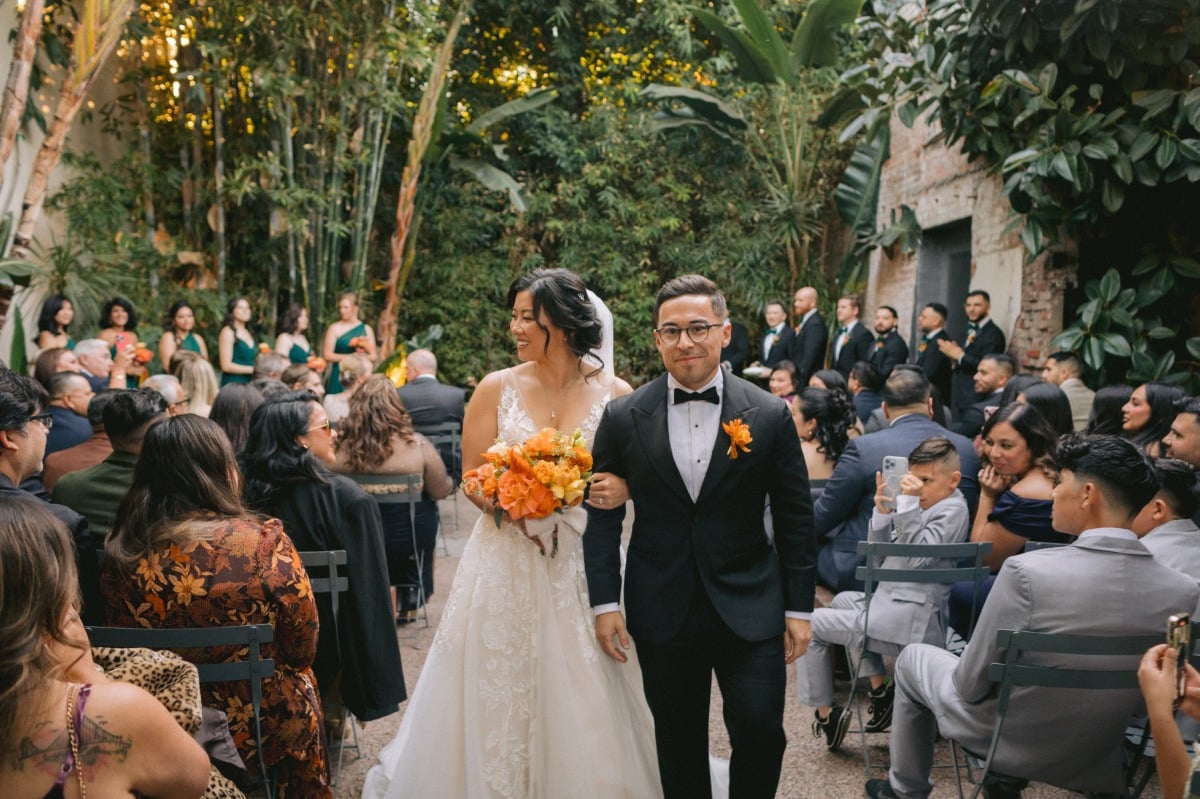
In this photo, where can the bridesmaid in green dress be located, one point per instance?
(345, 336)
(178, 335)
(120, 331)
(57, 313)
(292, 343)
(235, 343)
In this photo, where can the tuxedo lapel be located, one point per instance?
(650, 423)
(735, 404)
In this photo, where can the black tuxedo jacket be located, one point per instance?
(887, 353)
(934, 365)
(718, 543)
(970, 420)
(780, 349)
(808, 347)
(858, 348)
(739, 347)
(988, 341)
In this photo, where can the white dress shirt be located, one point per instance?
(692, 430)
(769, 341)
(843, 338)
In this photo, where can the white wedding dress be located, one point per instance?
(516, 699)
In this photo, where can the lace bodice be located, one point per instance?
(513, 424)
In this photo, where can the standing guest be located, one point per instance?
(232, 409)
(777, 339)
(292, 343)
(812, 334)
(56, 316)
(354, 369)
(1166, 525)
(1106, 583)
(864, 383)
(430, 402)
(984, 337)
(69, 397)
(178, 334)
(824, 419)
(198, 379)
(852, 342)
(299, 377)
(991, 376)
(286, 466)
(890, 349)
(348, 335)
(1182, 440)
(52, 361)
(936, 366)
(171, 390)
(185, 553)
(1146, 418)
(89, 453)
(784, 382)
(1065, 370)
(375, 442)
(101, 368)
(55, 703)
(235, 343)
(97, 491)
(733, 355)
(119, 330)
(1107, 417)
(1053, 404)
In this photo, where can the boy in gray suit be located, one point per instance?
(929, 510)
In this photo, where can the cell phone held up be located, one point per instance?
(894, 468)
(1179, 638)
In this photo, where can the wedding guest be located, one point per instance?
(119, 330)
(56, 316)
(865, 383)
(1065, 370)
(824, 418)
(55, 703)
(100, 366)
(198, 380)
(186, 553)
(777, 339)
(346, 336)
(269, 364)
(171, 390)
(89, 453)
(1106, 417)
(377, 441)
(1146, 418)
(852, 341)
(52, 361)
(232, 409)
(1158, 678)
(983, 337)
(292, 343)
(353, 369)
(829, 378)
(1053, 404)
(179, 334)
(431, 402)
(889, 349)
(812, 334)
(70, 395)
(1015, 386)
(299, 377)
(784, 382)
(1166, 525)
(235, 343)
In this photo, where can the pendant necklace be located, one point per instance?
(549, 403)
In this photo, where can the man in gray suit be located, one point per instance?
(1166, 522)
(1106, 583)
(1065, 370)
(844, 509)
(929, 510)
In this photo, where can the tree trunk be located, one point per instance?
(219, 185)
(16, 91)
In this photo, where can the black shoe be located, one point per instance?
(995, 787)
(833, 727)
(880, 709)
(880, 789)
(405, 617)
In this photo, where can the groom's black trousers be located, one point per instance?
(677, 677)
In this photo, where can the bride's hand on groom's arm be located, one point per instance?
(796, 636)
(610, 629)
(608, 491)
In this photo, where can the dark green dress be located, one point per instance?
(244, 355)
(298, 354)
(189, 342)
(342, 347)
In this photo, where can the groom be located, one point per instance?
(707, 587)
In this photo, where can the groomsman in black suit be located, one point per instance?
(890, 349)
(928, 356)
(777, 341)
(734, 353)
(984, 337)
(812, 335)
(707, 588)
(852, 342)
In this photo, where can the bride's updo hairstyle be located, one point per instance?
(563, 296)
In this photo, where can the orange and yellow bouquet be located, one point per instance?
(544, 475)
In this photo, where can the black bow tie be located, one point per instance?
(707, 395)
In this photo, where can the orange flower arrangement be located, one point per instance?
(264, 347)
(739, 437)
(142, 354)
(358, 343)
(545, 474)
(316, 363)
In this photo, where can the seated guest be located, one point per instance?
(269, 364)
(232, 409)
(198, 379)
(353, 369)
(377, 441)
(430, 402)
(824, 419)
(1052, 403)
(864, 383)
(1106, 417)
(1158, 678)
(185, 553)
(81, 456)
(783, 381)
(829, 378)
(1146, 418)
(97, 491)
(269, 387)
(133, 746)
(1065, 370)
(1166, 525)
(101, 368)
(52, 361)
(993, 372)
(286, 466)
(1015, 386)
(1104, 584)
(171, 390)
(69, 397)
(929, 510)
(298, 377)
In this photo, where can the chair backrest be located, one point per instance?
(253, 669)
(333, 582)
(1034, 546)
(447, 440)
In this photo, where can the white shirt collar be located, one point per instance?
(808, 316)
(932, 333)
(718, 381)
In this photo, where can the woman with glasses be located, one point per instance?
(286, 463)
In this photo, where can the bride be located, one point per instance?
(516, 698)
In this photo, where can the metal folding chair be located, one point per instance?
(1011, 672)
(410, 496)
(446, 438)
(253, 669)
(1034, 546)
(872, 574)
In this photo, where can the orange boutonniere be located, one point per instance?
(739, 437)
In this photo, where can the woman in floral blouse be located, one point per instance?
(185, 553)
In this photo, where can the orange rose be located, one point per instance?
(739, 437)
(518, 461)
(543, 444)
(470, 483)
(521, 495)
(264, 347)
(143, 355)
(582, 457)
(543, 472)
(316, 363)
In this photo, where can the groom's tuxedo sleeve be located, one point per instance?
(792, 516)
(602, 541)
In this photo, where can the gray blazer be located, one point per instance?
(1176, 544)
(1080, 397)
(905, 613)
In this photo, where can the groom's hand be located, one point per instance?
(610, 626)
(796, 638)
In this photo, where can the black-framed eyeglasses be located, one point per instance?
(697, 332)
(45, 418)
